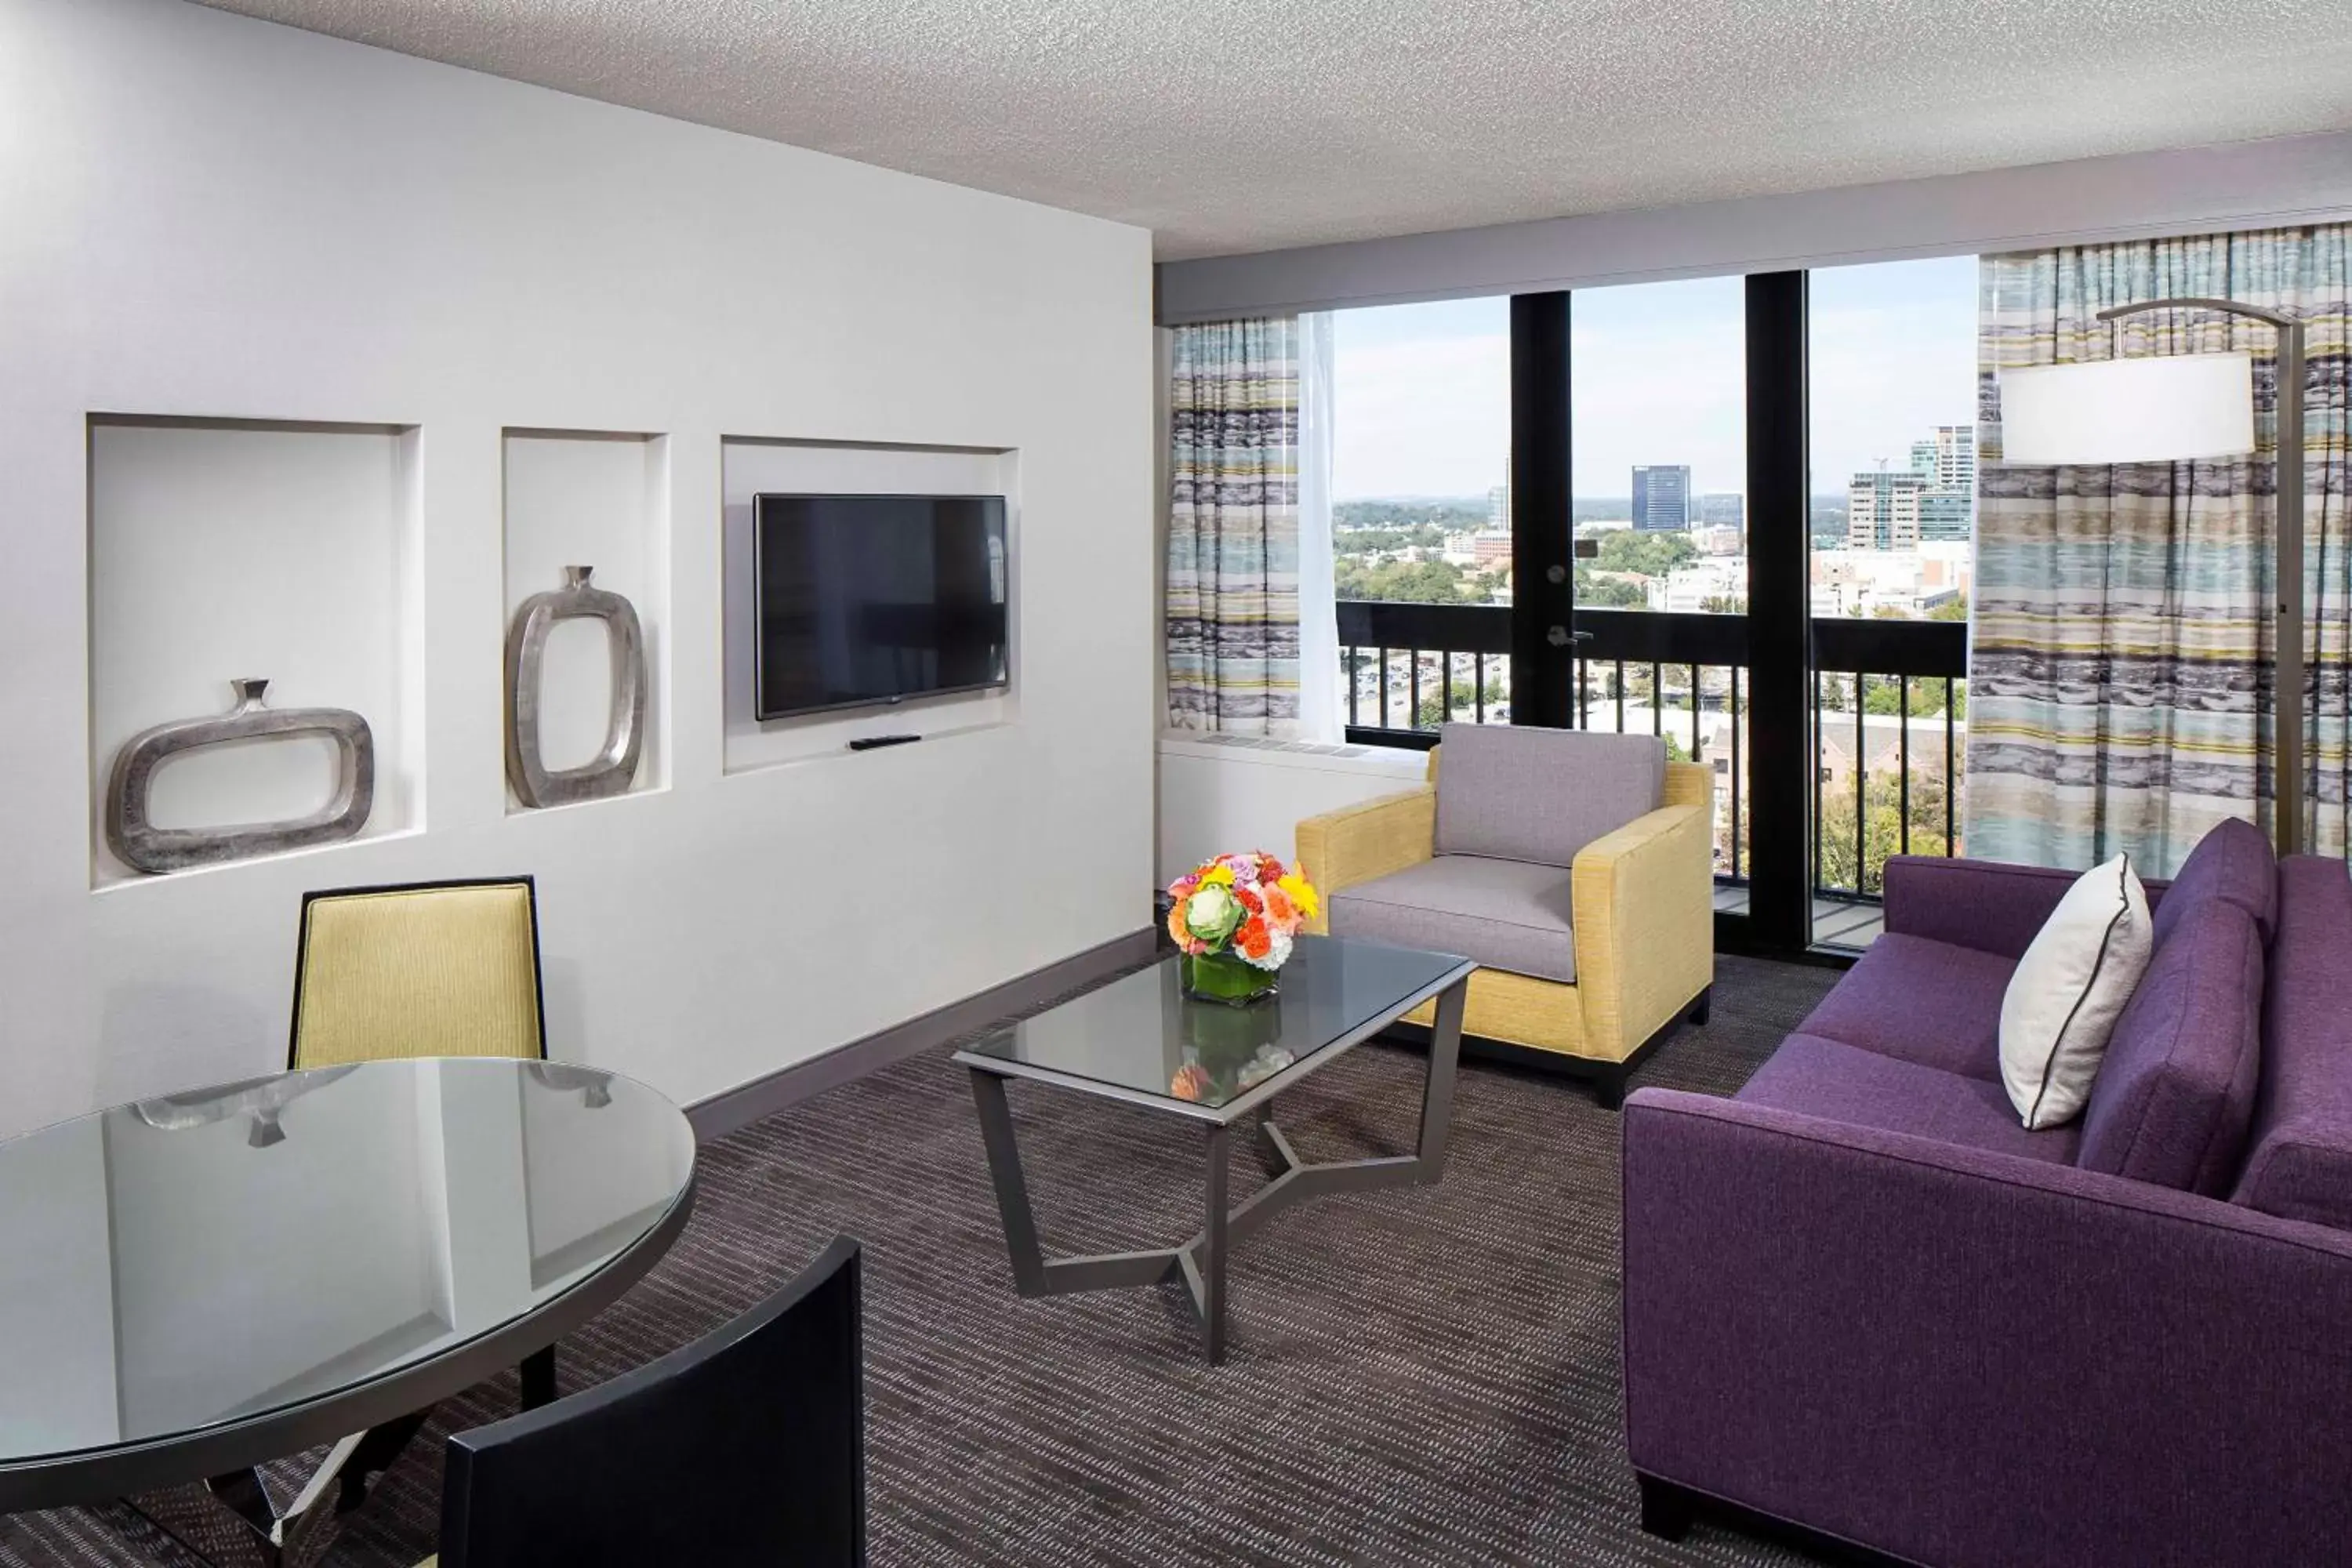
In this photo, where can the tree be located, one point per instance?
(1468, 512)
(1951, 610)
(1882, 828)
(1403, 581)
(1608, 590)
(1927, 696)
(1648, 554)
(1461, 702)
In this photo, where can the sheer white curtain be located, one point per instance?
(1320, 692)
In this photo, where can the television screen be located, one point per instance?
(869, 599)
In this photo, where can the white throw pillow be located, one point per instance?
(2069, 988)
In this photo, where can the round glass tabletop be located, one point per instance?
(200, 1260)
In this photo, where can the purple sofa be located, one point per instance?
(1861, 1299)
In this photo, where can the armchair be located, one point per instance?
(1576, 868)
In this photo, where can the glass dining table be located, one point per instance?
(195, 1285)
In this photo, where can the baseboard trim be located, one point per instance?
(729, 1109)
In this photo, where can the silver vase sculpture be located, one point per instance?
(615, 767)
(143, 847)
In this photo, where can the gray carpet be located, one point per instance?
(1421, 1376)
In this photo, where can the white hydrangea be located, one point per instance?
(1277, 952)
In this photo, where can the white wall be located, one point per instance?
(215, 218)
(1214, 798)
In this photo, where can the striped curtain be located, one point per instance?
(2120, 664)
(1233, 527)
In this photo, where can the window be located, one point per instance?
(1893, 364)
(1658, 389)
(1421, 516)
(1658, 410)
(1415, 498)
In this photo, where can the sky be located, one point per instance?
(1423, 391)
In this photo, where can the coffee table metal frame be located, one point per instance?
(1200, 1262)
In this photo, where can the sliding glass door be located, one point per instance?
(1734, 512)
(1421, 516)
(1892, 390)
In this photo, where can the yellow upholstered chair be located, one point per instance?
(428, 969)
(1640, 919)
(423, 969)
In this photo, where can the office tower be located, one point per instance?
(1662, 498)
(1949, 456)
(1882, 509)
(1946, 514)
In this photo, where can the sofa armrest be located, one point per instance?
(1968, 1358)
(1642, 906)
(1341, 848)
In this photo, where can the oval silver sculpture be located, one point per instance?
(615, 762)
(140, 845)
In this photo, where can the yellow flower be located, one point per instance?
(1302, 893)
(1220, 874)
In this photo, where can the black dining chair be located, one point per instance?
(747, 1447)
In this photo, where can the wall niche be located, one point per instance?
(597, 500)
(222, 550)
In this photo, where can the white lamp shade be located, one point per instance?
(2157, 409)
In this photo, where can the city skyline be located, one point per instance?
(1423, 391)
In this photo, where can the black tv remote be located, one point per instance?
(867, 743)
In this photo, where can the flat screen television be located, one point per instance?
(874, 599)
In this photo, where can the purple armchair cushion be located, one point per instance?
(1921, 1001)
(2299, 1158)
(2233, 863)
(1860, 1088)
(1540, 795)
(2176, 1090)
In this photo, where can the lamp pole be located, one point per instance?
(2286, 687)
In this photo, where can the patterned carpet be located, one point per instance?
(1423, 1376)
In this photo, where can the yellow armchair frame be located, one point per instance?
(1643, 907)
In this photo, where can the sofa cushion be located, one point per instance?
(2174, 1094)
(1507, 914)
(1863, 1088)
(2299, 1152)
(1541, 794)
(1920, 1001)
(2233, 863)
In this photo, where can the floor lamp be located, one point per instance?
(2171, 408)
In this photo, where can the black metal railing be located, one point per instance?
(1403, 665)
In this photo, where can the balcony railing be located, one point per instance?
(1887, 713)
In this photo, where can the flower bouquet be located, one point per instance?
(1234, 918)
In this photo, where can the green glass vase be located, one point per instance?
(1228, 978)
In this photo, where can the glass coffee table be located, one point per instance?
(1140, 1041)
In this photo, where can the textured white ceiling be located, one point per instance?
(1238, 125)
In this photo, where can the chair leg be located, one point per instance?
(538, 1378)
(374, 1456)
(1703, 1006)
(1609, 1088)
(1665, 1509)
